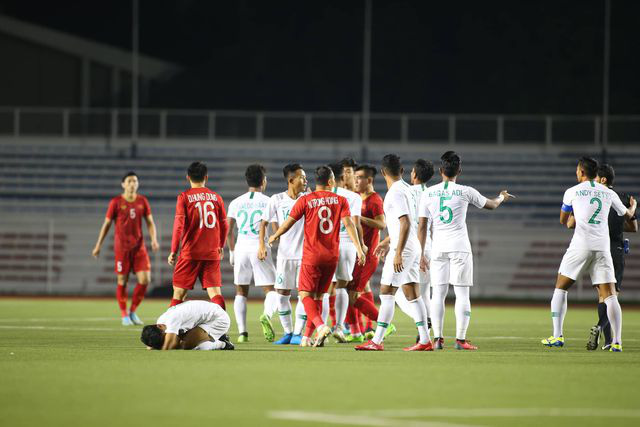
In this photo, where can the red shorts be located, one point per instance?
(188, 270)
(137, 258)
(316, 278)
(362, 274)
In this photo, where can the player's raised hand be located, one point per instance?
(424, 263)
(95, 252)
(155, 246)
(398, 264)
(171, 259)
(506, 195)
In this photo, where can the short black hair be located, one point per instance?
(152, 336)
(197, 171)
(369, 170)
(291, 168)
(589, 166)
(392, 163)
(323, 175)
(348, 162)
(605, 170)
(423, 169)
(255, 175)
(450, 164)
(338, 170)
(128, 174)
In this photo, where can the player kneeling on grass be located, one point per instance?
(192, 325)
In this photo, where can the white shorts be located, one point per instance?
(598, 264)
(287, 273)
(409, 274)
(455, 268)
(346, 262)
(425, 277)
(218, 327)
(248, 265)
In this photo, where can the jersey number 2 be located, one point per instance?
(593, 219)
(207, 216)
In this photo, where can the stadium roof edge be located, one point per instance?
(97, 52)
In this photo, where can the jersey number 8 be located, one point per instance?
(325, 224)
(207, 217)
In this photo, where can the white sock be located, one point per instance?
(420, 318)
(325, 308)
(342, 305)
(270, 303)
(284, 310)
(403, 303)
(240, 310)
(614, 313)
(437, 309)
(385, 316)
(559, 310)
(463, 311)
(301, 318)
(210, 345)
(425, 293)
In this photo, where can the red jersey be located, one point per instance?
(372, 207)
(323, 212)
(128, 220)
(200, 225)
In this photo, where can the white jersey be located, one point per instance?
(355, 207)
(446, 205)
(591, 202)
(247, 210)
(399, 201)
(419, 189)
(183, 317)
(278, 208)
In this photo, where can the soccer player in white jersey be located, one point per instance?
(289, 256)
(192, 325)
(421, 173)
(445, 205)
(347, 254)
(589, 202)
(246, 212)
(402, 264)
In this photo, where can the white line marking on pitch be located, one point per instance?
(64, 328)
(62, 319)
(356, 420)
(505, 412)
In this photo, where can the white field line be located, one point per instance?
(355, 420)
(64, 328)
(505, 412)
(62, 319)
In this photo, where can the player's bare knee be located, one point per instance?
(563, 282)
(267, 289)
(179, 293)
(242, 290)
(283, 291)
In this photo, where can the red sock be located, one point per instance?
(313, 309)
(175, 302)
(121, 297)
(309, 328)
(138, 296)
(367, 308)
(220, 301)
(369, 296)
(354, 323)
(332, 309)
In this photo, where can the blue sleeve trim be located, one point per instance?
(567, 208)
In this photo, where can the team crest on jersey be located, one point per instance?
(123, 207)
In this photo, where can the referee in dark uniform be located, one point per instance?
(617, 225)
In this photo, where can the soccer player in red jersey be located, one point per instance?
(372, 220)
(200, 230)
(322, 210)
(130, 253)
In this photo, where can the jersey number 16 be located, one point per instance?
(207, 214)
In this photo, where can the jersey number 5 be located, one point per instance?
(325, 224)
(444, 208)
(207, 216)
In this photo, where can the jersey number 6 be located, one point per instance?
(207, 216)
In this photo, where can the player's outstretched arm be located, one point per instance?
(286, 225)
(153, 233)
(492, 204)
(106, 225)
(353, 235)
(377, 222)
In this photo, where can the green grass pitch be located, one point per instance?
(69, 362)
